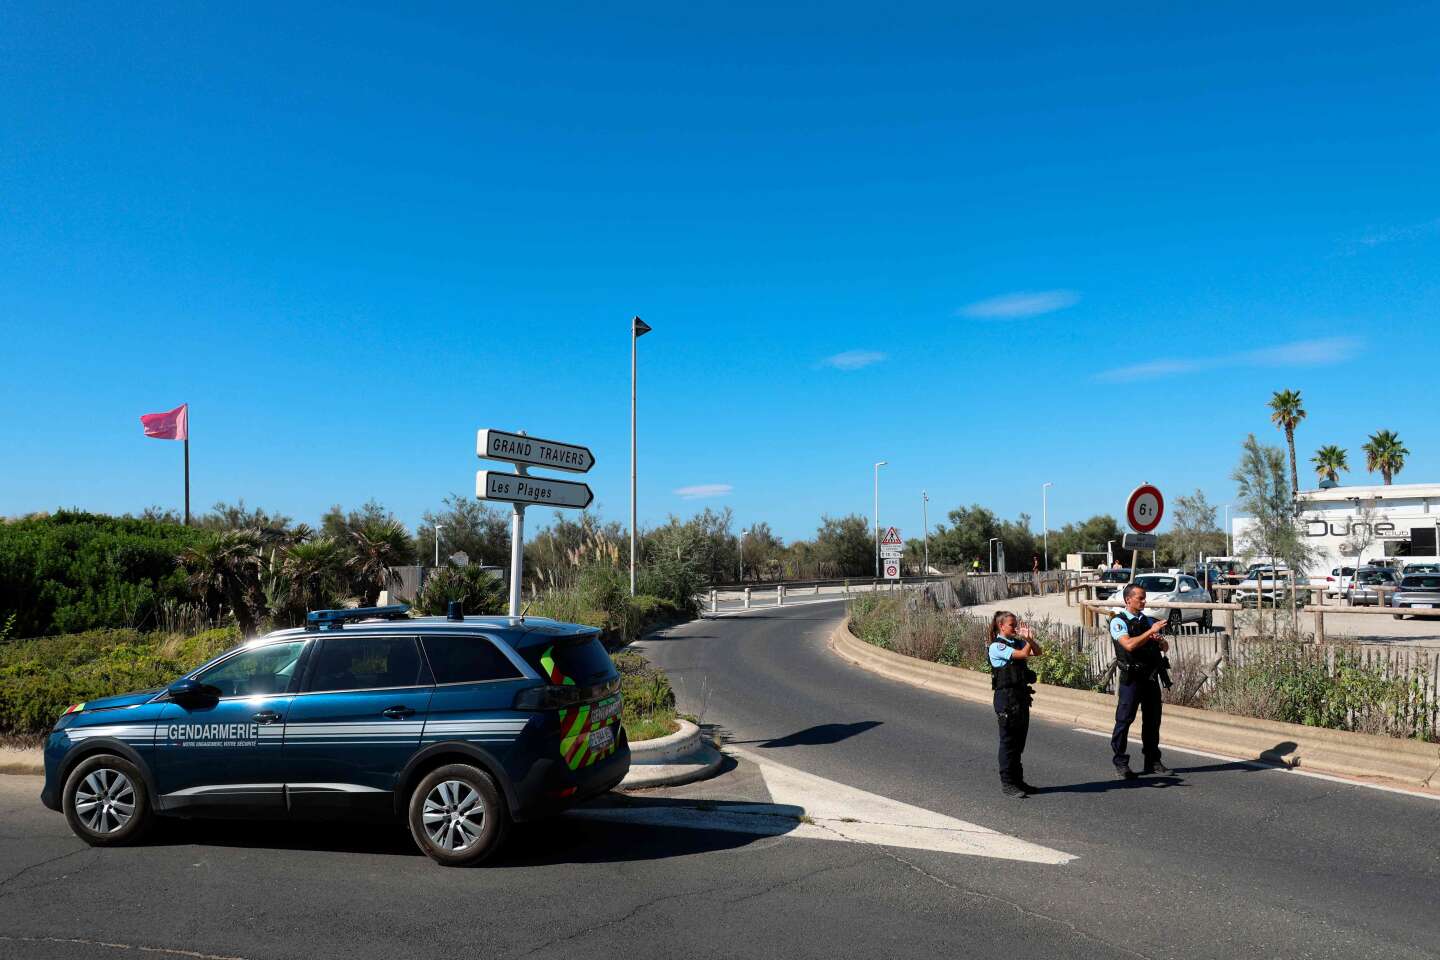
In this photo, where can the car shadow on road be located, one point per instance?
(615, 828)
(622, 829)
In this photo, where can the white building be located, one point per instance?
(1401, 520)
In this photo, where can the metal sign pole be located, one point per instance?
(517, 549)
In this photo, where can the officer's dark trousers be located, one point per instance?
(1012, 712)
(1145, 696)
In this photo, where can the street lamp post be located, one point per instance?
(741, 558)
(878, 465)
(1045, 520)
(437, 545)
(925, 519)
(1229, 546)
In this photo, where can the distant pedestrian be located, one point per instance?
(1140, 660)
(1012, 644)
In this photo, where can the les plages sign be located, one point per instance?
(519, 489)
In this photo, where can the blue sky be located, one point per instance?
(993, 247)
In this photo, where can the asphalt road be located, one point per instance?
(1221, 861)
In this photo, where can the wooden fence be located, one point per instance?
(1198, 657)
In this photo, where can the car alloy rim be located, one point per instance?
(105, 801)
(453, 815)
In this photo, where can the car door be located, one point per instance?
(356, 722)
(223, 753)
(1190, 592)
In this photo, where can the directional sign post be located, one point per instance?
(532, 451)
(515, 488)
(519, 489)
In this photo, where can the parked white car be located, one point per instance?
(1166, 587)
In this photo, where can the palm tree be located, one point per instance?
(314, 571)
(1329, 461)
(375, 548)
(1287, 414)
(226, 568)
(1384, 453)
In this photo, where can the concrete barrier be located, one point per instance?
(681, 757)
(1410, 762)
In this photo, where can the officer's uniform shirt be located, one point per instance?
(1120, 624)
(1001, 650)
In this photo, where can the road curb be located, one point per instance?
(1312, 748)
(23, 762)
(681, 757)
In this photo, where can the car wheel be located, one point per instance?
(1398, 616)
(1175, 619)
(105, 801)
(457, 815)
(1207, 620)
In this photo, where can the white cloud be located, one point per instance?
(1299, 353)
(1017, 306)
(703, 490)
(853, 359)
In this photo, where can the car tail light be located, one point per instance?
(548, 697)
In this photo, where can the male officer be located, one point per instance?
(1139, 649)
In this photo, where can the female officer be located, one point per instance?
(1010, 678)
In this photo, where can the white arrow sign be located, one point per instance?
(513, 488)
(532, 451)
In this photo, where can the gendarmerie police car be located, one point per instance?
(459, 725)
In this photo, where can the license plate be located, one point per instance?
(1423, 606)
(601, 739)
(604, 710)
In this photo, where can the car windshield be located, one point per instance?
(1423, 568)
(1154, 584)
(1115, 576)
(1372, 577)
(1427, 582)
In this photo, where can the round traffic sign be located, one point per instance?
(1144, 508)
(892, 569)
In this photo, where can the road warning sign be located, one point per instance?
(891, 538)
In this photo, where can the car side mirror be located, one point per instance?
(188, 688)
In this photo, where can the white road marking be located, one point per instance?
(833, 811)
(1279, 768)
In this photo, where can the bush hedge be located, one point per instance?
(39, 678)
(72, 571)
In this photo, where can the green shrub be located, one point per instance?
(649, 701)
(39, 678)
(74, 571)
(478, 591)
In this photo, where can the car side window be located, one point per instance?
(467, 659)
(253, 673)
(1190, 584)
(367, 663)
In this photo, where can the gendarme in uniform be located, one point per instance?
(1139, 688)
(1011, 679)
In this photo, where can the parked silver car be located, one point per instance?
(1270, 587)
(1363, 590)
(1180, 588)
(1417, 591)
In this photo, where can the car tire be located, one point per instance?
(441, 815)
(1175, 619)
(1398, 616)
(106, 801)
(1207, 620)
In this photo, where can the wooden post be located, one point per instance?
(1319, 627)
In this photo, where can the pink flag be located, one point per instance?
(174, 425)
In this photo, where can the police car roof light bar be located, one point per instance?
(336, 619)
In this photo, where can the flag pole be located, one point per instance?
(187, 473)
